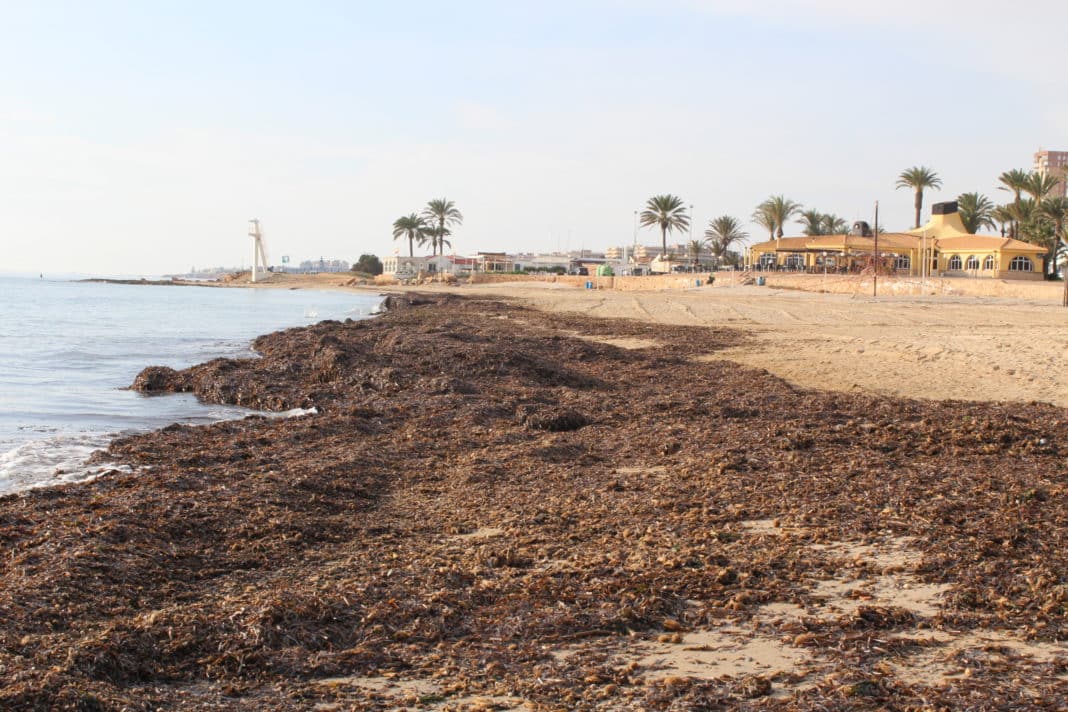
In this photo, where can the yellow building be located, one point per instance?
(943, 242)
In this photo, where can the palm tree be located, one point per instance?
(1038, 185)
(919, 178)
(721, 232)
(1003, 215)
(1055, 210)
(812, 222)
(834, 224)
(668, 212)
(411, 227)
(1014, 181)
(976, 211)
(439, 237)
(442, 213)
(779, 209)
(762, 216)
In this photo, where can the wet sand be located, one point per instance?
(499, 507)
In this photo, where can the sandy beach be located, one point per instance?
(937, 347)
(496, 507)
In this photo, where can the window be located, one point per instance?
(1021, 264)
(902, 262)
(988, 263)
(954, 263)
(795, 262)
(973, 263)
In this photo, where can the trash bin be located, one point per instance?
(760, 281)
(698, 283)
(589, 284)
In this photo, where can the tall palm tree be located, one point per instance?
(976, 211)
(442, 213)
(721, 232)
(1055, 210)
(762, 216)
(1014, 181)
(919, 179)
(1038, 185)
(413, 228)
(780, 209)
(668, 213)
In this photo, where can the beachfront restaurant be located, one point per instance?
(950, 249)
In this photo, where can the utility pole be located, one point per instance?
(875, 279)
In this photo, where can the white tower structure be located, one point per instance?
(259, 252)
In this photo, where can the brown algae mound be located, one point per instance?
(496, 508)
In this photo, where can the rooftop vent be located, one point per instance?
(947, 208)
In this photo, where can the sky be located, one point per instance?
(139, 137)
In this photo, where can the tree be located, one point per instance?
(1055, 210)
(668, 213)
(1003, 215)
(762, 216)
(814, 222)
(722, 232)
(1014, 181)
(441, 214)
(1038, 185)
(834, 224)
(811, 222)
(778, 210)
(918, 178)
(976, 211)
(439, 237)
(369, 264)
(414, 228)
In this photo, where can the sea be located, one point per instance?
(69, 349)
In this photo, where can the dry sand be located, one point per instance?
(966, 348)
(939, 347)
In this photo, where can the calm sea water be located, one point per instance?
(68, 349)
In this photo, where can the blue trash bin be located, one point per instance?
(589, 285)
(760, 281)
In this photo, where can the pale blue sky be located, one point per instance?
(138, 137)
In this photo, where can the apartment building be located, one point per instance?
(1054, 163)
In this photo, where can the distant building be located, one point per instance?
(314, 266)
(1054, 163)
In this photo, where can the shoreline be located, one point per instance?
(940, 347)
(609, 517)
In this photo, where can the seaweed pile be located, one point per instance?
(494, 507)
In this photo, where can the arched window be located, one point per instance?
(767, 260)
(954, 263)
(988, 263)
(1021, 264)
(973, 263)
(902, 262)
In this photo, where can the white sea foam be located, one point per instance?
(293, 413)
(53, 461)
